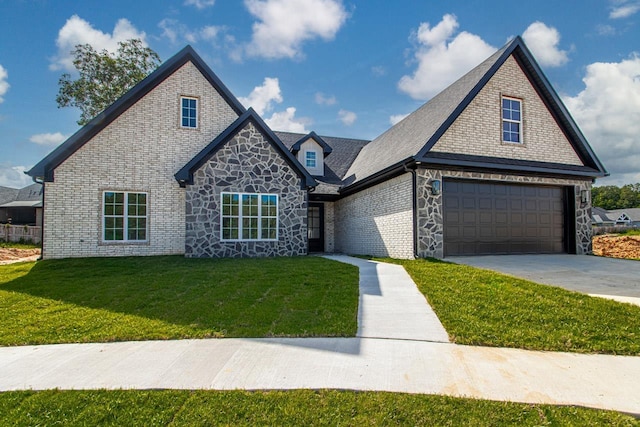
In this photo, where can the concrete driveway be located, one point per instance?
(592, 275)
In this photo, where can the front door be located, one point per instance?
(315, 227)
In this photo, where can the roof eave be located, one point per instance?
(45, 168)
(185, 175)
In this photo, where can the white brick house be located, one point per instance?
(493, 164)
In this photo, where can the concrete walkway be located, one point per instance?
(390, 305)
(390, 364)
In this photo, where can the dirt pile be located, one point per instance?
(617, 246)
(12, 254)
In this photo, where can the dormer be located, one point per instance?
(310, 150)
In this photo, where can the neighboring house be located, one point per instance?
(494, 164)
(600, 217)
(630, 217)
(21, 206)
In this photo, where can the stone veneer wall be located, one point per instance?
(430, 218)
(378, 220)
(140, 150)
(248, 163)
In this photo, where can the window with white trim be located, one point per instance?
(512, 120)
(124, 216)
(249, 216)
(188, 112)
(310, 159)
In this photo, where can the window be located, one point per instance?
(189, 112)
(310, 159)
(511, 120)
(124, 216)
(249, 216)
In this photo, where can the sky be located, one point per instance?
(348, 68)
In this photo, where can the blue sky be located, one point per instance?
(338, 67)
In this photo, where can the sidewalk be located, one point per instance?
(362, 363)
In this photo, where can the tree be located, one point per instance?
(611, 197)
(104, 77)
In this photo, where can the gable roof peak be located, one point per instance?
(185, 175)
(326, 148)
(414, 136)
(45, 168)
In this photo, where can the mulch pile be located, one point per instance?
(617, 246)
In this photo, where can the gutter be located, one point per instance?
(414, 200)
(40, 258)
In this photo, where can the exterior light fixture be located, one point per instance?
(584, 196)
(435, 187)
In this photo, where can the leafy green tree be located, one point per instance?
(613, 197)
(104, 77)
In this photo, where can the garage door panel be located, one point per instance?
(497, 218)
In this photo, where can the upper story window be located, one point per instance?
(124, 216)
(188, 112)
(247, 216)
(310, 159)
(512, 120)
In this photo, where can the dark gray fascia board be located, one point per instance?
(326, 149)
(548, 94)
(45, 168)
(185, 175)
(387, 173)
(513, 166)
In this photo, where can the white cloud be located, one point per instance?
(608, 112)
(177, 32)
(378, 70)
(347, 117)
(4, 84)
(624, 9)
(78, 31)
(396, 118)
(200, 4)
(284, 25)
(442, 59)
(13, 176)
(48, 138)
(321, 99)
(262, 97)
(287, 122)
(605, 30)
(543, 42)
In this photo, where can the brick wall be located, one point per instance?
(478, 130)
(329, 227)
(139, 151)
(377, 221)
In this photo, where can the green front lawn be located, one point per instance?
(18, 245)
(481, 307)
(283, 408)
(119, 299)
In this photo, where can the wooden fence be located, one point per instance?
(21, 233)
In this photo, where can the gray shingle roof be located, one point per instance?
(405, 139)
(8, 194)
(632, 213)
(344, 151)
(30, 193)
(29, 196)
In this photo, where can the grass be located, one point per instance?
(283, 408)
(481, 307)
(143, 298)
(633, 232)
(18, 245)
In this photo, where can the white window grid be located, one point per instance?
(511, 121)
(191, 112)
(129, 220)
(239, 225)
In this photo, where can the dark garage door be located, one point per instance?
(482, 218)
